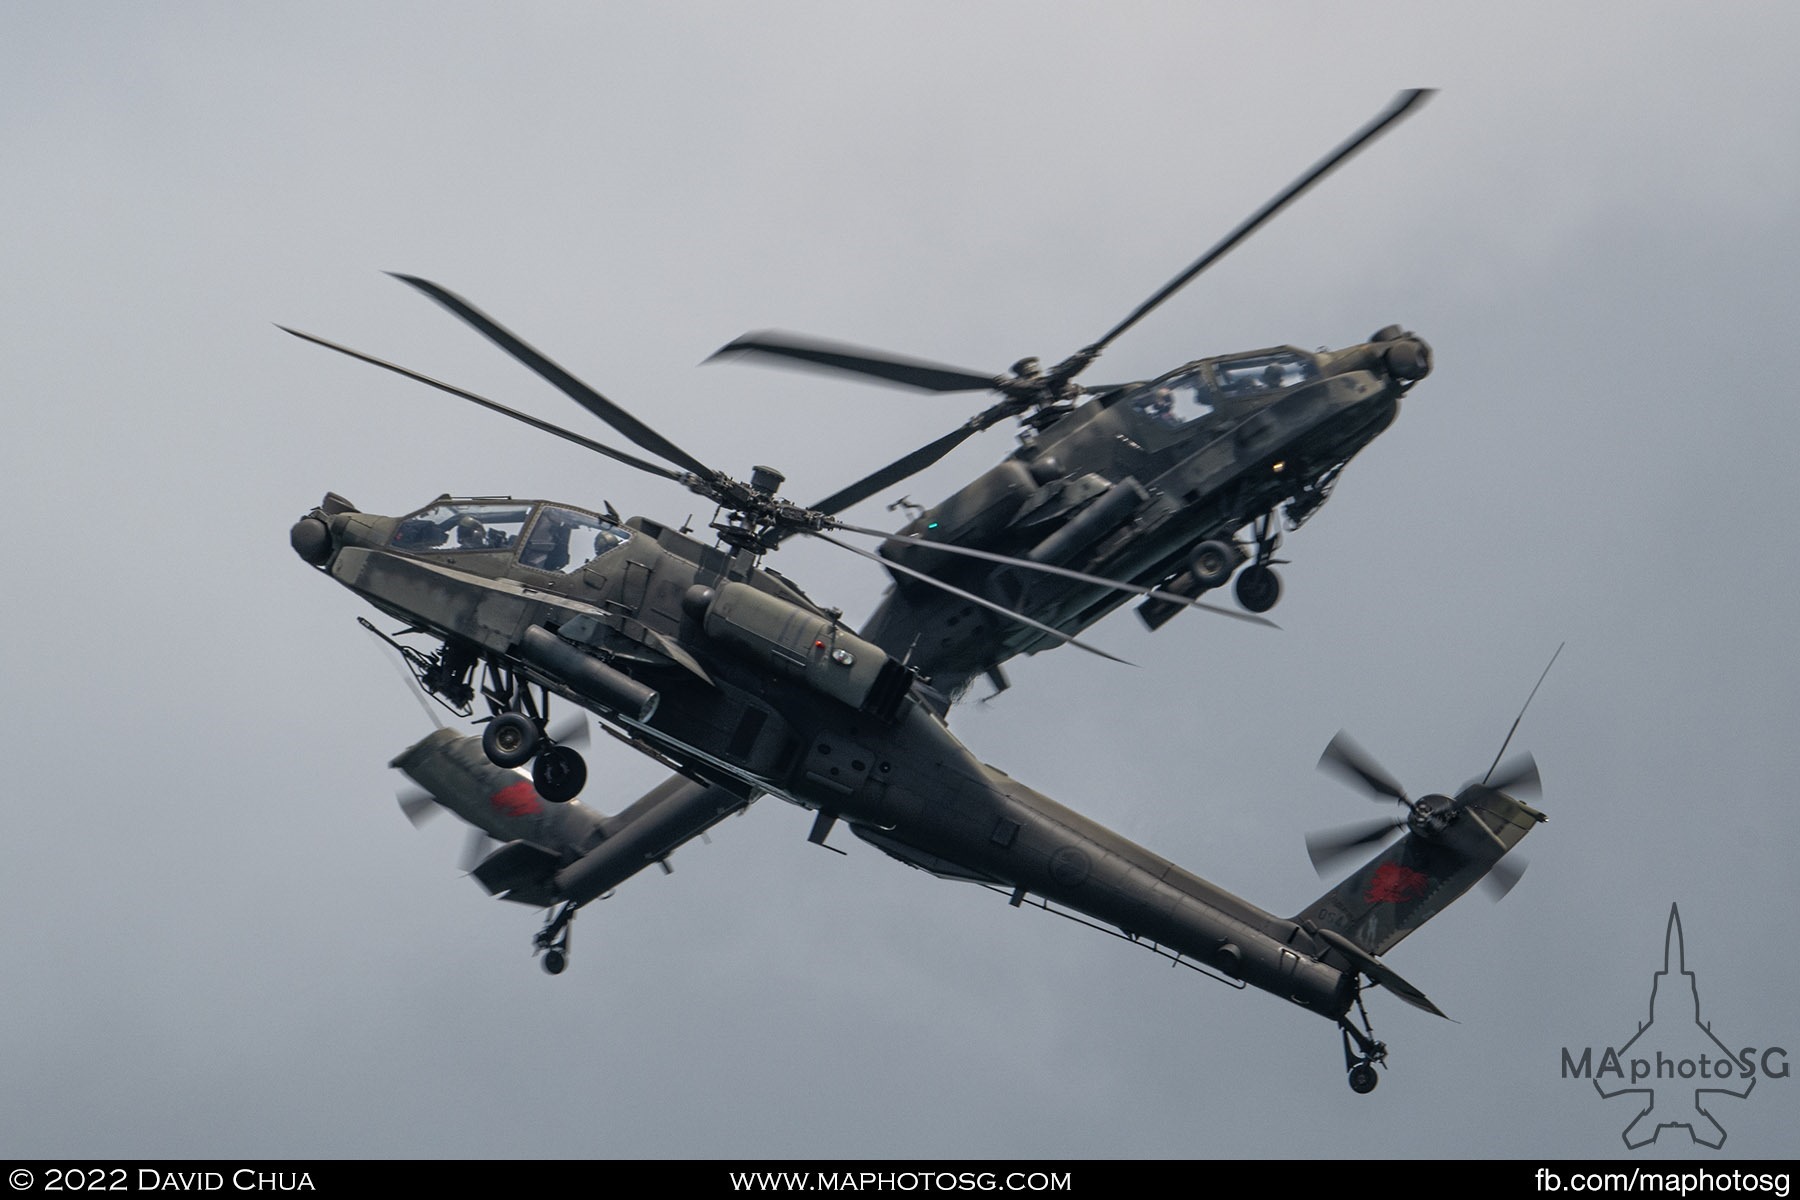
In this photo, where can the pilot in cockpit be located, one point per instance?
(548, 547)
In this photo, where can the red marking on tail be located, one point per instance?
(1395, 883)
(516, 800)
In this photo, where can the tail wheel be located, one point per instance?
(1361, 1051)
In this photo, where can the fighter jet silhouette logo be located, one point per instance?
(1677, 1050)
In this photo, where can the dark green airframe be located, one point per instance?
(1169, 484)
(729, 674)
(701, 657)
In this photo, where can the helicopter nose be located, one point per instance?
(1408, 358)
(311, 539)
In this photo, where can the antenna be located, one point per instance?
(1521, 716)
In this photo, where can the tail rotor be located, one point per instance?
(1429, 818)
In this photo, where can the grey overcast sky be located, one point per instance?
(219, 935)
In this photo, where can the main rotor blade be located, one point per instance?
(855, 360)
(1328, 846)
(1402, 104)
(971, 597)
(894, 472)
(1065, 572)
(515, 414)
(1350, 762)
(564, 382)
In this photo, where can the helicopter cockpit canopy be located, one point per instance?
(567, 539)
(1202, 389)
(548, 537)
(1177, 399)
(1266, 371)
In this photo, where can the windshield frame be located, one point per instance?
(452, 526)
(553, 552)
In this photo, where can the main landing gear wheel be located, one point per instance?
(559, 775)
(1258, 588)
(511, 739)
(556, 960)
(1362, 1076)
(1212, 563)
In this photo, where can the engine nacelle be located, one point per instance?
(803, 645)
(972, 515)
(1106, 513)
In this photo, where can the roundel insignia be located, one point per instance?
(516, 800)
(1396, 883)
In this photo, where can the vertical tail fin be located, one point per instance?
(1420, 875)
(539, 836)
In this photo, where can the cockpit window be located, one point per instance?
(1255, 374)
(566, 539)
(450, 527)
(1177, 399)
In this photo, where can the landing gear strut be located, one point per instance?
(1258, 586)
(516, 735)
(553, 939)
(1367, 1053)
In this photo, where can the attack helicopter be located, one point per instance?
(1173, 483)
(721, 669)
